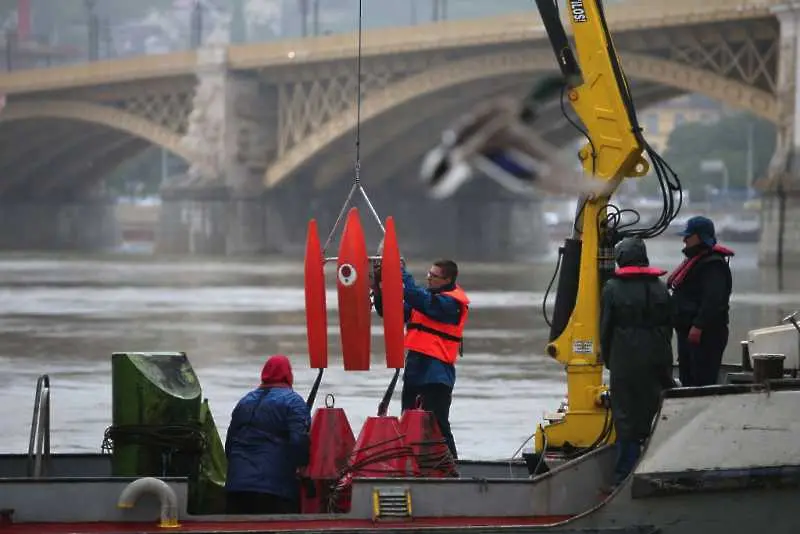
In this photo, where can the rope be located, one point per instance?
(176, 444)
(186, 439)
(430, 464)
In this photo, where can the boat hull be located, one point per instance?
(721, 459)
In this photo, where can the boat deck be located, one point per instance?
(79, 496)
(286, 525)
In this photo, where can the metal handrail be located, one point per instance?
(39, 443)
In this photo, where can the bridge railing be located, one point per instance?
(81, 31)
(124, 28)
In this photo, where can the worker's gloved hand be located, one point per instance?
(694, 335)
(375, 275)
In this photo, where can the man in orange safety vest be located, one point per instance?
(435, 318)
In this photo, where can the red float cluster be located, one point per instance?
(387, 446)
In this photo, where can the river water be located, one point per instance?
(65, 316)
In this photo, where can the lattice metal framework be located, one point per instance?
(312, 96)
(750, 59)
(168, 109)
(744, 51)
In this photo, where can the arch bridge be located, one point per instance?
(267, 126)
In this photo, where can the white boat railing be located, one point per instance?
(39, 444)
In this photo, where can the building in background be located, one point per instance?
(660, 120)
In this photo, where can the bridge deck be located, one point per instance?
(641, 14)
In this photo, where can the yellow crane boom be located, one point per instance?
(598, 92)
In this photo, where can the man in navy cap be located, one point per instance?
(701, 287)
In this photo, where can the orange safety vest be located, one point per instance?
(438, 340)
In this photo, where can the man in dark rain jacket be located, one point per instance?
(636, 346)
(267, 442)
(701, 289)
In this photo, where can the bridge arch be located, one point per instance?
(115, 119)
(454, 73)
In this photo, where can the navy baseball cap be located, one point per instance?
(698, 225)
(701, 226)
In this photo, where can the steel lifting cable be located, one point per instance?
(357, 169)
(357, 186)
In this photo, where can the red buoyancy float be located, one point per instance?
(422, 435)
(332, 444)
(379, 452)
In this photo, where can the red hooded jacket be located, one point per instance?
(277, 372)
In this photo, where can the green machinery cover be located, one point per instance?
(162, 426)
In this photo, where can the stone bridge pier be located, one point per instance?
(221, 206)
(780, 212)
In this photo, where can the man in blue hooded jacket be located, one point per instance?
(701, 288)
(267, 442)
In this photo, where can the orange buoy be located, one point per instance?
(392, 292)
(352, 285)
(316, 309)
